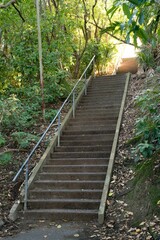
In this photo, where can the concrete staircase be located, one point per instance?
(70, 184)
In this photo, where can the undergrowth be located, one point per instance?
(146, 146)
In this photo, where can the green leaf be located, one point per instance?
(135, 2)
(126, 10)
(112, 10)
(141, 33)
(2, 140)
(141, 18)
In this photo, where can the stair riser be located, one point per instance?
(114, 87)
(85, 143)
(77, 161)
(102, 137)
(102, 96)
(64, 176)
(101, 110)
(95, 123)
(56, 216)
(90, 119)
(105, 91)
(66, 185)
(66, 195)
(81, 155)
(83, 148)
(83, 132)
(82, 169)
(105, 103)
(104, 115)
(90, 128)
(66, 205)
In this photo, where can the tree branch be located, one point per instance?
(18, 12)
(7, 4)
(110, 34)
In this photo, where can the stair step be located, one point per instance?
(92, 142)
(93, 132)
(97, 104)
(74, 184)
(65, 214)
(72, 176)
(76, 161)
(100, 154)
(63, 203)
(65, 193)
(74, 168)
(83, 148)
(105, 115)
(94, 119)
(92, 122)
(83, 128)
(105, 89)
(102, 95)
(108, 107)
(99, 137)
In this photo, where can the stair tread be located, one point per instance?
(71, 173)
(64, 200)
(63, 210)
(74, 166)
(66, 190)
(70, 181)
(77, 159)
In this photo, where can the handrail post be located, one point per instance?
(85, 84)
(94, 74)
(73, 103)
(59, 130)
(26, 188)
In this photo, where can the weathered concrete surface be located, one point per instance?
(64, 231)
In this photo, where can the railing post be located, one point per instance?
(85, 84)
(73, 104)
(26, 188)
(59, 128)
(94, 74)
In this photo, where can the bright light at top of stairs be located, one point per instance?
(128, 51)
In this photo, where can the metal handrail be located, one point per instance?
(25, 164)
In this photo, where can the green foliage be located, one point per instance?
(136, 19)
(50, 114)
(147, 132)
(157, 69)
(23, 139)
(2, 140)
(144, 170)
(5, 158)
(14, 115)
(146, 57)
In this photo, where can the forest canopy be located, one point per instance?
(72, 32)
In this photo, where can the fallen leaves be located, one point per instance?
(76, 235)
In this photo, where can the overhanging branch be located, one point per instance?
(7, 4)
(18, 12)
